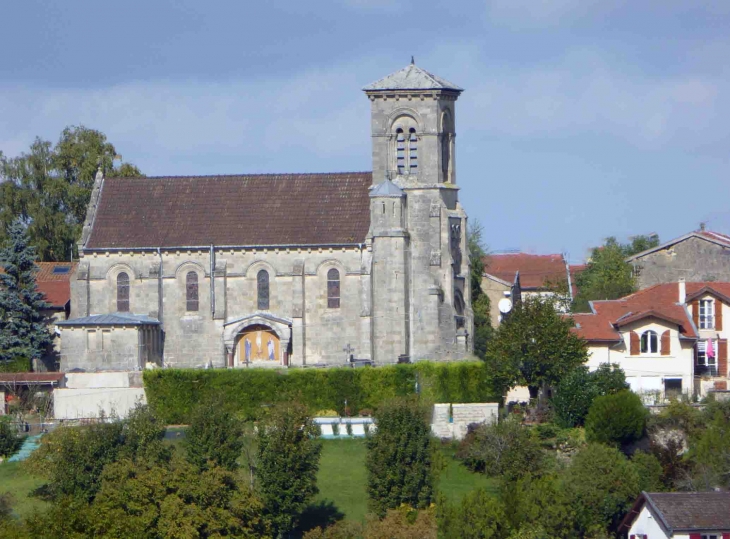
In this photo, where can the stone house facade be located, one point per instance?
(699, 256)
(285, 270)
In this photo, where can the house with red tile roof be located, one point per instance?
(669, 338)
(522, 274)
(701, 255)
(53, 280)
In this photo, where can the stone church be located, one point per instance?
(284, 269)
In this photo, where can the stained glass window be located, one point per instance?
(262, 286)
(123, 293)
(333, 289)
(191, 291)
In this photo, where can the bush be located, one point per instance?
(602, 484)
(616, 419)
(540, 503)
(649, 470)
(288, 460)
(403, 523)
(10, 442)
(399, 458)
(174, 393)
(576, 392)
(213, 438)
(478, 516)
(72, 458)
(503, 449)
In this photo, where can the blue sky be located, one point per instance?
(581, 119)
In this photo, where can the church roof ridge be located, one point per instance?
(412, 77)
(269, 175)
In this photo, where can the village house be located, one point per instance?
(521, 275)
(284, 269)
(701, 255)
(678, 515)
(669, 339)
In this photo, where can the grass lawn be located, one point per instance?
(342, 478)
(15, 480)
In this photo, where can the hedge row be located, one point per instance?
(173, 393)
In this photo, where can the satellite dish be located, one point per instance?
(505, 305)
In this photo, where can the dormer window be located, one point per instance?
(707, 314)
(649, 342)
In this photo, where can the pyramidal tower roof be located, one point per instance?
(412, 77)
(386, 189)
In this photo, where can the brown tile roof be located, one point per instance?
(534, 270)
(660, 301)
(685, 511)
(266, 209)
(56, 287)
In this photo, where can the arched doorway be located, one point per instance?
(258, 343)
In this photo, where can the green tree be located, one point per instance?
(214, 437)
(288, 460)
(24, 335)
(540, 503)
(399, 458)
(175, 499)
(602, 484)
(10, 442)
(534, 346)
(479, 516)
(479, 300)
(710, 455)
(616, 419)
(607, 274)
(72, 459)
(49, 188)
(503, 449)
(649, 470)
(576, 392)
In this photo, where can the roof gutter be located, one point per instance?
(224, 247)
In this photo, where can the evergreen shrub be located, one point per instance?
(174, 393)
(616, 419)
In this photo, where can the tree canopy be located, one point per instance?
(534, 346)
(479, 300)
(607, 274)
(49, 188)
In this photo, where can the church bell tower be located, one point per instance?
(413, 145)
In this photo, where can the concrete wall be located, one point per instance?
(89, 403)
(455, 425)
(693, 259)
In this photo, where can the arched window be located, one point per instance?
(333, 289)
(400, 150)
(262, 288)
(649, 342)
(123, 293)
(412, 151)
(191, 291)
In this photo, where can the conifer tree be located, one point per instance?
(24, 335)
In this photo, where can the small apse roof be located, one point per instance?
(114, 319)
(387, 189)
(412, 77)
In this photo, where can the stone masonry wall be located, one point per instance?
(693, 259)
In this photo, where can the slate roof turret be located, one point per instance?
(412, 77)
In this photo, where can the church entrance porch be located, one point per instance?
(257, 340)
